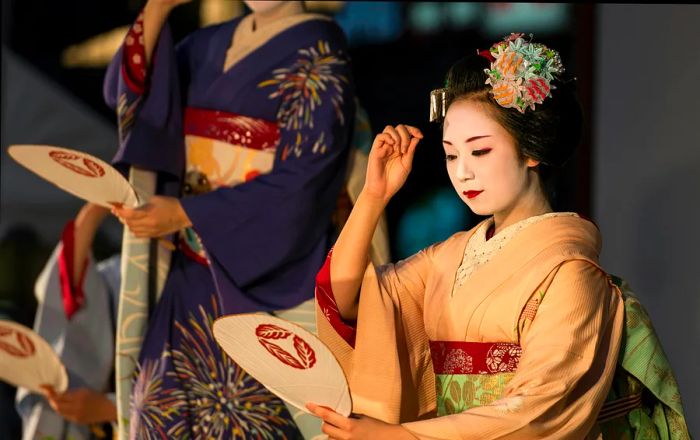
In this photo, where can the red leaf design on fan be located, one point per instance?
(305, 352)
(270, 331)
(4, 331)
(281, 354)
(25, 349)
(94, 167)
(68, 160)
(25, 343)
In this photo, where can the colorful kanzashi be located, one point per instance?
(521, 72)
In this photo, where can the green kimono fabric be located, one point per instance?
(645, 372)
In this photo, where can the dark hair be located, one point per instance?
(549, 134)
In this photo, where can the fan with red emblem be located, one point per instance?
(78, 173)
(287, 359)
(27, 360)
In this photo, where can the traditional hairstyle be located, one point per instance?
(545, 121)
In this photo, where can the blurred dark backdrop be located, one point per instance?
(635, 173)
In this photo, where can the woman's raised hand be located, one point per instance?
(390, 161)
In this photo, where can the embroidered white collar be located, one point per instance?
(479, 250)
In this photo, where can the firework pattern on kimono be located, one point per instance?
(300, 87)
(261, 256)
(198, 381)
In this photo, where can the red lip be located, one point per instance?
(472, 194)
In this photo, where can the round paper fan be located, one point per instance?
(27, 360)
(78, 173)
(287, 359)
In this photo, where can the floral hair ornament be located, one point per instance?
(521, 72)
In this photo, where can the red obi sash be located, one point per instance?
(454, 357)
(232, 128)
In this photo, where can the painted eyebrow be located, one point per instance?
(473, 138)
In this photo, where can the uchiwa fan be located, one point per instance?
(78, 173)
(27, 360)
(287, 359)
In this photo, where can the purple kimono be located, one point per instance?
(259, 154)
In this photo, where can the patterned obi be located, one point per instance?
(470, 374)
(223, 149)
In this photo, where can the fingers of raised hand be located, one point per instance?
(414, 131)
(384, 144)
(405, 137)
(391, 131)
(412, 145)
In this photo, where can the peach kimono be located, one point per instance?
(519, 334)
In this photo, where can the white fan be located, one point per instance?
(288, 360)
(78, 173)
(27, 360)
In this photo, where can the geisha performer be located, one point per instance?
(511, 329)
(251, 121)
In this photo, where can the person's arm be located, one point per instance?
(73, 257)
(390, 162)
(155, 13)
(144, 85)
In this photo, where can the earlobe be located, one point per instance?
(531, 163)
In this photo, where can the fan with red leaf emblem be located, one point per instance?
(78, 173)
(287, 359)
(27, 360)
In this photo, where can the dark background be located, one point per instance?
(636, 172)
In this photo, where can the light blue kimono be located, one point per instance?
(85, 344)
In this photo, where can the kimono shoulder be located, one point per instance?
(322, 28)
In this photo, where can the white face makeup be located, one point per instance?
(262, 5)
(482, 160)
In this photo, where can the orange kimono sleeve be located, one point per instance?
(385, 356)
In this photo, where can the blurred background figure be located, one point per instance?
(635, 173)
(21, 255)
(76, 293)
(242, 131)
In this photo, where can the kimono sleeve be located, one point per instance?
(148, 102)
(256, 230)
(385, 357)
(567, 364)
(400, 282)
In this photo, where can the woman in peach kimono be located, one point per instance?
(509, 330)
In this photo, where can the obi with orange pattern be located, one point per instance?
(223, 150)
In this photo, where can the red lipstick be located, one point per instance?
(472, 194)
